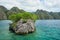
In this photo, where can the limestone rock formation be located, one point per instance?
(24, 27)
(3, 12)
(3, 16)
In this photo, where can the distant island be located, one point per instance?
(44, 15)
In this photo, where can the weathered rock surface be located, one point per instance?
(3, 16)
(24, 28)
(3, 12)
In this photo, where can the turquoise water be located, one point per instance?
(45, 30)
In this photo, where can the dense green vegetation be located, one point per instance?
(24, 15)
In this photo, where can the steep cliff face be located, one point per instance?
(14, 10)
(42, 14)
(3, 9)
(3, 12)
(3, 16)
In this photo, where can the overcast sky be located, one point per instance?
(32, 5)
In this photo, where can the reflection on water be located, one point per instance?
(45, 30)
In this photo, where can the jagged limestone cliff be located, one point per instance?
(3, 16)
(3, 12)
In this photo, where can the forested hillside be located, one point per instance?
(42, 14)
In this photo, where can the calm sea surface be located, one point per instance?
(45, 30)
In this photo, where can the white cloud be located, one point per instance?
(53, 5)
(9, 3)
(32, 5)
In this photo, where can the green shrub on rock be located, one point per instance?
(25, 16)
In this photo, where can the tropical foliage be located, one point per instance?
(24, 15)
